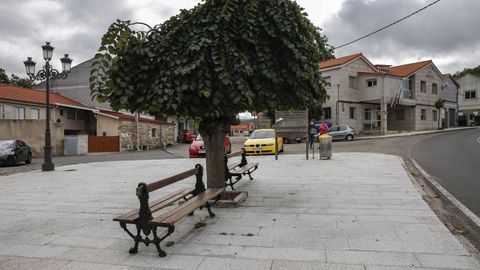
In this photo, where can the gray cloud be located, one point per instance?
(446, 32)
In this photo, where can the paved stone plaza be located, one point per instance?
(357, 211)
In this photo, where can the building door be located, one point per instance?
(451, 118)
(103, 144)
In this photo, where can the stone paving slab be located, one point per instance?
(356, 211)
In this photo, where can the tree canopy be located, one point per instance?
(14, 80)
(213, 61)
(474, 71)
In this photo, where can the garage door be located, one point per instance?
(103, 144)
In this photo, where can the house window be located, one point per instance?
(20, 112)
(423, 86)
(2, 112)
(434, 115)
(472, 94)
(153, 132)
(368, 114)
(80, 114)
(408, 83)
(70, 113)
(434, 89)
(35, 114)
(423, 114)
(352, 112)
(400, 114)
(328, 81)
(371, 82)
(327, 113)
(352, 82)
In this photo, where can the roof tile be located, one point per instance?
(408, 69)
(20, 94)
(338, 61)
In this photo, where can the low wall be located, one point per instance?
(32, 132)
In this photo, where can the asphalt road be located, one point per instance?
(453, 159)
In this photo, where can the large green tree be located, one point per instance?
(211, 62)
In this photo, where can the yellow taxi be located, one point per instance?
(261, 142)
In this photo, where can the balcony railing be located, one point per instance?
(407, 94)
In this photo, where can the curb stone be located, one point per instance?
(474, 218)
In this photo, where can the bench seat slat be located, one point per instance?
(245, 168)
(176, 214)
(234, 165)
(156, 205)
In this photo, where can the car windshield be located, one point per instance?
(199, 138)
(6, 145)
(262, 134)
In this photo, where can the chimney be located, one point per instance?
(383, 68)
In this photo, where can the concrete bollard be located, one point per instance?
(325, 148)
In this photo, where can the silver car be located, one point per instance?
(342, 133)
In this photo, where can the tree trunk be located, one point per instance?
(213, 135)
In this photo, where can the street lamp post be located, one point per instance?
(47, 73)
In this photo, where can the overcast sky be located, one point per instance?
(447, 32)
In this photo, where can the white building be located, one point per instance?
(381, 98)
(468, 100)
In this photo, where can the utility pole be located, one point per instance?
(137, 120)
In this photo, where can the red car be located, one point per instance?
(197, 148)
(188, 136)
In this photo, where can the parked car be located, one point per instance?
(197, 147)
(189, 135)
(262, 141)
(342, 133)
(14, 151)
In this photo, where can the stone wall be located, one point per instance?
(151, 135)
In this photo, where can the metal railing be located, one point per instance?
(408, 94)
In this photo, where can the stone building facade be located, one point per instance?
(381, 98)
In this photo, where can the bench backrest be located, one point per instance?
(243, 162)
(143, 189)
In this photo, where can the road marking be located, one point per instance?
(478, 140)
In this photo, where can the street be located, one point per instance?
(453, 160)
(450, 157)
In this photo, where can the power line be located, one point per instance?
(385, 27)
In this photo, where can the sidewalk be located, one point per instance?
(411, 133)
(357, 211)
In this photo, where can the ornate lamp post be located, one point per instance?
(47, 73)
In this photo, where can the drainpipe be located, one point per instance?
(337, 105)
(383, 108)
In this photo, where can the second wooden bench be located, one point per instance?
(238, 169)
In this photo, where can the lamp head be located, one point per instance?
(47, 51)
(29, 66)
(66, 63)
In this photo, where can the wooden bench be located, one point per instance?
(144, 220)
(238, 169)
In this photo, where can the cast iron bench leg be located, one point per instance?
(137, 239)
(156, 241)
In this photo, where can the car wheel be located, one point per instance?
(29, 158)
(14, 160)
(349, 137)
